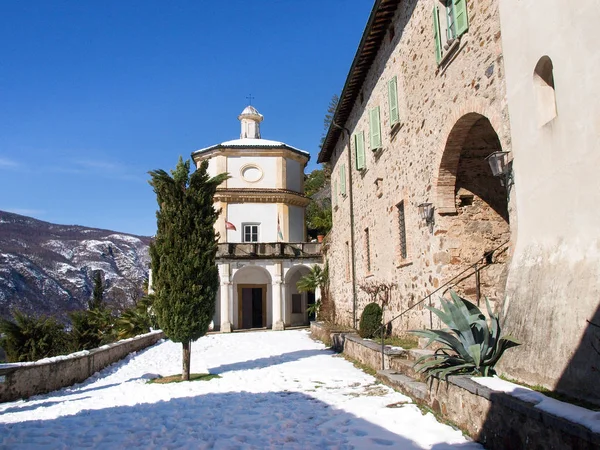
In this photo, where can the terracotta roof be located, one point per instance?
(379, 21)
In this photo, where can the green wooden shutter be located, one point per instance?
(375, 129)
(359, 147)
(436, 35)
(461, 21)
(335, 193)
(393, 100)
(343, 179)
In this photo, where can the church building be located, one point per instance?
(262, 233)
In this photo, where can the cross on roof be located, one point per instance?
(250, 98)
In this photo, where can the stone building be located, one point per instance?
(422, 108)
(426, 102)
(553, 289)
(262, 250)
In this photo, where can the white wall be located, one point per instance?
(296, 217)
(268, 165)
(554, 280)
(263, 213)
(294, 174)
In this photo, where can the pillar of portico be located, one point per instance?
(278, 323)
(226, 289)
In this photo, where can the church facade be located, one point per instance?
(262, 250)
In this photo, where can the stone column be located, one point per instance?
(226, 288)
(278, 323)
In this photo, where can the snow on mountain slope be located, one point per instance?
(49, 269)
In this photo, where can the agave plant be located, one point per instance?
(469, 345)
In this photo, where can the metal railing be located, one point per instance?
(473, 269)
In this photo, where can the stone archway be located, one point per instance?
(475, 204)
(251, 298)
(296, 302)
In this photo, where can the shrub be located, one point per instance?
(91, 329)
(30, 338)
(137, 320)
(469, 345)
(370, 320)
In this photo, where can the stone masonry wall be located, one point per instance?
(450, 117)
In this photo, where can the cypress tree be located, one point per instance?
(185, 276)
(97, 293)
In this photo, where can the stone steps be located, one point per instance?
(405, 367)
(417, 390)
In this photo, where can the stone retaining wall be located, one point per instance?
(496, 419)
(22, 380)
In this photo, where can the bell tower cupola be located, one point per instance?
(250, 120)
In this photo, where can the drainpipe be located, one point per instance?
(352, 250)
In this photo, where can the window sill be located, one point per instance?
(377, 152)
(369, 275)
(448, 53)
(363, 172)
(402, 264)
(394, 130)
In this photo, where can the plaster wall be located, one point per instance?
(433, 103)
(296, 224)
(268, 166)
(294, 175)
(554, 282)
(264, 214)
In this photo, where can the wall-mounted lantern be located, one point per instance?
(498, 162)
(426, 213)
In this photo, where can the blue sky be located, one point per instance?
(93, 95)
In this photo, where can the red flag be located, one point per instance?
(230, 226)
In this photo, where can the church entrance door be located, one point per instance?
(252, 306)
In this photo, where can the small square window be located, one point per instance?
(250, 232)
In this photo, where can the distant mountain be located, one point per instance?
(49, 269)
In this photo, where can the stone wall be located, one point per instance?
(497, 420)
(451, 117)
(22, 380)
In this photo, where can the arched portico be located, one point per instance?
(251, 298)
(474, 203)
(295, 302)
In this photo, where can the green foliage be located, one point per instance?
(185, 275)
(314, 309)
(137, 320)
(469, 345)
(29, 338)
(315, 181)
(317, 277)
(318, 218)
(370, 320)
(96, 301)
(329, 116)
(91, 329)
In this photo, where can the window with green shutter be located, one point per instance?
(359, 149)
(461, 21)
(393, 101)
(335, 190)
(375, 129)
(343, 179)
(436, 35)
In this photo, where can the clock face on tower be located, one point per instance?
(251, 173)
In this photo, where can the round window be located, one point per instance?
(251, 174)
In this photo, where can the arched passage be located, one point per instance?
(296, 302)
(252, 298)
(475, 203)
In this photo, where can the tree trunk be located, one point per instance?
(185, 374)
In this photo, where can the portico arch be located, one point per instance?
(474, 202)
(252, 298)
(296, 302)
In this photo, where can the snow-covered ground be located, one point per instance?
(277, 390)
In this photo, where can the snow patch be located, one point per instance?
(588, 418)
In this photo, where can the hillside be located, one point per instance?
(48, 269)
